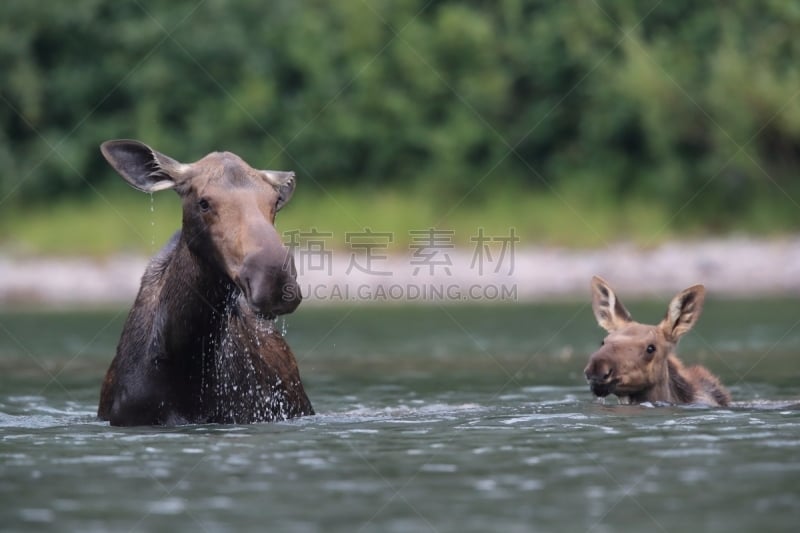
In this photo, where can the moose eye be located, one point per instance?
(203, 205)
(651, 348)
(602, 343)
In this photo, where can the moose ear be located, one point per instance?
(608, 310)
(141, 166)
(284, 183)
(683, 312)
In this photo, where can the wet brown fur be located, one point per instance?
(198, 345)
(637, 362)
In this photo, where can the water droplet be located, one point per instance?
(152, 222)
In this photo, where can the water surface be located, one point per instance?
(430, 419)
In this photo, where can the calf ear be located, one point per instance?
(141, 166)
(608, 310)
(284, 183)
(683, 312)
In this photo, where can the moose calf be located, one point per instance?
(637, 362)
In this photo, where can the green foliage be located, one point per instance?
(690, 106)
(118, 219)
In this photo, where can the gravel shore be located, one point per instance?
(730, 267)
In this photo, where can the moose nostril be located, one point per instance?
(608, 374)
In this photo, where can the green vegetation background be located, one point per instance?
(576, 122)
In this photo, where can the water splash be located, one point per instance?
(238, 385)
(265, 327)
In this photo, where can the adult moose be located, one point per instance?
(198, 345)
(637, 362)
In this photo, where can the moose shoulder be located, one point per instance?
(199, 345)
(637, 362)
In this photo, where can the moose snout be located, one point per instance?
(269, 283)
(600, 374)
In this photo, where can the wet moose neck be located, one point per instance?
(194, 300)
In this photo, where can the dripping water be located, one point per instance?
(152, 223)
(237, 388)
(230, 378)
(273, 399)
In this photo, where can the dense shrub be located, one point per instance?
(667, 100)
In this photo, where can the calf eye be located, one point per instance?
(651, 348)
(203, 205)
(602, 343)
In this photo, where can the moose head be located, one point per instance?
(229, 213)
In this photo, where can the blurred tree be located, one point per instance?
(663, 100)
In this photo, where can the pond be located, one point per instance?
(430, 419)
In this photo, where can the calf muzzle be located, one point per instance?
(600, 376)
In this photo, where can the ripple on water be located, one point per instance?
(26, 399)
(167, 506)
(157, 436)
(238, 460)
(92, 459)
(193, 451)
(485, 485)
(416, 412)
(67, 505)
(37, 515)
(218, 502)
(537, 417)
(360, 486)
(583, 471)
(685, 452)
(784, 443)
(694, 475)
(702, 437)
(358, 431)
(442, 468)
(315, 463)
(421, 431)
(29, 421)
(647, 439)
(528, 485)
